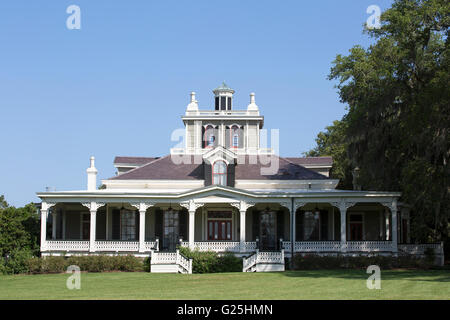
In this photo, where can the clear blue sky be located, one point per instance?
(119, 85)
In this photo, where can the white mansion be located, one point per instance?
(223, 192)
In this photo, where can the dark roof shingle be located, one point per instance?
(312, 161)
(134, 160)
(163, 169)
(166, 169)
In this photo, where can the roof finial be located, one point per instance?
(252, 107)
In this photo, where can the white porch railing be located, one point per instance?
(172, 258)
(221, 246)
(67, 245)
(184, 264)
(249, 264)
(315, 246)
(270, 257)
(267, 261)
(217, 246)
(118, 246)
(151, 245)
(249, 246)
(420, 248)
(369, 246)
(101, 246)
(164, 257)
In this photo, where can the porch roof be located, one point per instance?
(215, 190)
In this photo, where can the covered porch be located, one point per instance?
(218, 220)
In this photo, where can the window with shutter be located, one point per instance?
(219, 173)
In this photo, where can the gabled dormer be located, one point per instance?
(219, 167)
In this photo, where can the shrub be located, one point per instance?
(34, 265)
(53, 264)
(16, 262)
(313, 261)
(211, 262)
(229, 263)
(100, 263)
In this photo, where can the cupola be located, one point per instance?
(223, 97)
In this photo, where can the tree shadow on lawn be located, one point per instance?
(396, 274)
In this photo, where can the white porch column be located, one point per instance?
(343, 228)
(191, 228)
(93, 206)
(142, 230)
(43, 228)
(294, 225)
(142, 207)
(386, 216)
(242, 206)
(242, 227)
(192, 206)
(394, 226)
(93, 229)
(343, 206)
(297, 205)
(54, 216)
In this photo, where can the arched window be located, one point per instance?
(234, 136)
(209, 137)
(219, 173)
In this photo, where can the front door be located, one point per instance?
(219, 230)
(220, 225)
(268, 231)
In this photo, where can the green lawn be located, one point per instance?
(323, 284)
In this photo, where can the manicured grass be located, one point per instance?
(321, 284)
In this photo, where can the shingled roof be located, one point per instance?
(166, 169)
(134, 160)
(312, 161)
(287, 170)
(163, 169)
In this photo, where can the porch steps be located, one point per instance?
(264, 261)
(170, 262)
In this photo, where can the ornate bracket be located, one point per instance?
(286, 204)
(342, 205)
(243, 205)
(142, 206)
(93, 206)
(47, 205)
(299, 204)
(191, 205)
(390, 205)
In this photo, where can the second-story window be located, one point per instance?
(219, 173)
(235, 140)
(234, 136)
(209, 137)
(211, 140)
